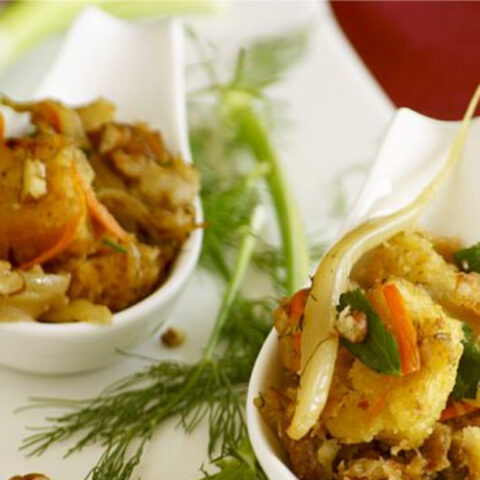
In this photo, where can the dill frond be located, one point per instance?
(227, 212)
(240, 464)
(271, 261)
(267, 60)
(132, 409)
(214, 389)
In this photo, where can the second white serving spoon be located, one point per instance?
(140, 68)
(412, 153)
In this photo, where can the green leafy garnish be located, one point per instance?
(116, 247)
(468, 373)
(267, 60)
(240, 465)
(468, 259)
(379, 351)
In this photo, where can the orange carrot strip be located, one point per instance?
(99, 212)
(49, 111)
(403, 330)
(2, 127)
(62, 244)
(65, 240)
(458, 409)
(297, 304)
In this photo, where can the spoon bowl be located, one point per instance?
(140, 68)
(413, 151)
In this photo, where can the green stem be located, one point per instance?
(245, 252)
(255, 135)
(218, 258)
(25, 23)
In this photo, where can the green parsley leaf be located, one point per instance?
(468, 259)
(379, 351)
(468, 373)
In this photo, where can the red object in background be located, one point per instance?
(426, 55)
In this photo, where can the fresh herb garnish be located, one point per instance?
(379, 351)
(114, 245)
(232, 148)
(468, 373)
(468, 259)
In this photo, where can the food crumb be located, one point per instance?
(173, 337)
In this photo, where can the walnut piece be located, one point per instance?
(352, 325)
(34, 179)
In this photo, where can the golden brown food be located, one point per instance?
(413, 256)
(403, 403)
(411, 403)
(102, 204)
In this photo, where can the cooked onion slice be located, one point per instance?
(11, 282)
(41, 292)
(314, 385)
(79, 310)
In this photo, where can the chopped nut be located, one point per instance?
(467, 284)
(34, 179)
(11, 282)
(443, 336)
(173, 338)
(352, 325)
(259, 401)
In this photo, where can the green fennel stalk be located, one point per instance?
(255, 136)
(245, 254)
(240, 102)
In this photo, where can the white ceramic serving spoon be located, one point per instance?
(413, 151)
(140, 68)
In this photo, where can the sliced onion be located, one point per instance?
(315, 385)
(42, 291)
(79, 310)
(11, 282)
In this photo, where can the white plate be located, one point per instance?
(338, 116)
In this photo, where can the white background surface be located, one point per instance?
(338, 116)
